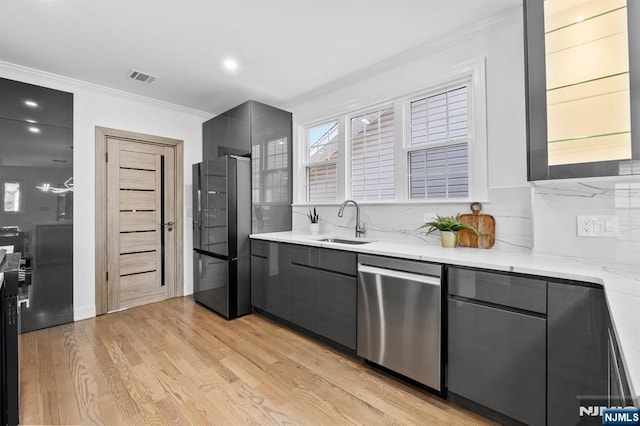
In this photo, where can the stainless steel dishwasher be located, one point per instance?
(399, 316)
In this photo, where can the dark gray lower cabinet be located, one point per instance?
(258, 278)
(312, 287)
(577, 350)
(497, 359)
(337, 307)
(305, 306)
(277, 287)
(270, 278)
(324, 302)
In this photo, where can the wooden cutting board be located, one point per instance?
(484, 223)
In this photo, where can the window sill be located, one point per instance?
(395, 202)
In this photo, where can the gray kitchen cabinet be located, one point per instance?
(497, 359)
(264, 133)
(577, 350)
(305, 307)
(337, 307)
(270, 278)
(277, 286)
(619, 392)
(227, 133)
(323, 292)
(583, 55)
(258, 276)
(497, 350)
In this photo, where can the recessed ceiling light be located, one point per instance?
(34, 129)
(31, 103)
(28, 120)
(230, 64)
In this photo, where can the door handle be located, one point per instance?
(169, 224)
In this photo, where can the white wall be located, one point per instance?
(502, 47)
(97, 106)
(556, 205)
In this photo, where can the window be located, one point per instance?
(12, 197)
(426, 147)
(438, 155)
(322, 168)
(372, 155)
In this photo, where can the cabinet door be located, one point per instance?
(258, 278)
(278, 283)
(304, 297)
(577, 359)
(497, 359)
(337, 306)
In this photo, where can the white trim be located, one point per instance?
(301, 168)
(447, 201)
(494, 23)
(84, 312)
(10, 67)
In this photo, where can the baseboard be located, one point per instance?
(84, 312)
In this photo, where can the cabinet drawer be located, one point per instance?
(344, 262)
(497, 358)
(502, 289)
(305, 255)
(259, 248)
(340, 261)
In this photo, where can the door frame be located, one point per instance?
(101, 256)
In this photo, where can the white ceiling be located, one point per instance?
(286, 48)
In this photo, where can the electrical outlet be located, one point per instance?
(598, 226)
(189, 212)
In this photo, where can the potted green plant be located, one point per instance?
(313, 219)
(448, 227)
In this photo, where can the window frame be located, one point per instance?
(393, 105)
(306, 164)
(473, 74)
(407, 148)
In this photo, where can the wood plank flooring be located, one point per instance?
(174, 362)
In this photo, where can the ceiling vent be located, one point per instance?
(141, 76)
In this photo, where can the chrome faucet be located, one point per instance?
(359, 228)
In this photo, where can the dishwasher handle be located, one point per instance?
(425, 279)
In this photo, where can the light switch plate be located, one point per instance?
(598, 225)
(189, 212)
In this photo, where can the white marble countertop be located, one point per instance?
(622, 289)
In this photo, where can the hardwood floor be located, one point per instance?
(174, 362)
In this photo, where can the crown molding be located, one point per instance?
(72, 83)
(454, 38)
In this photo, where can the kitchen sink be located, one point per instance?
(343, 241)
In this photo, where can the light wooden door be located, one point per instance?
(141, 213)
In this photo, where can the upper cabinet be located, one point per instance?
(583, 88)
(264, 133)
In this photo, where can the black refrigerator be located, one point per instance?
(221, 227)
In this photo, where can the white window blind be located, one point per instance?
(438, 160)
(372, 155)
(322, 169)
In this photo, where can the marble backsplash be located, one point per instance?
(511, 207)
(556, 205)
